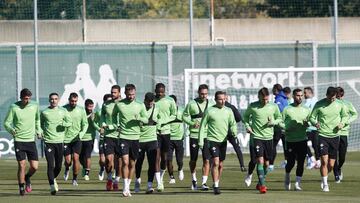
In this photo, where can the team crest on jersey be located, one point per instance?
(194, 145)
(214, 149)
(65, 146)
(17, 150)
(290, 150)
(49, 150)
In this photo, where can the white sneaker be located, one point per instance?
(287, 183)
(56, 186)
(137, 187)
(193, 185)
(160, 187)
(271, 168)
(247, 180)
(325, 188)
(66, 175)
(297, 186)
(341, 176)
(86, 177)
(172, 181)
(75, 183)
(283, 164)
(181, 175)
(101, 175)
(126, 193)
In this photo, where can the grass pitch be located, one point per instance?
(232, 186)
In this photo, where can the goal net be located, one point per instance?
(242, 86)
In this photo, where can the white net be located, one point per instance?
(242, 86)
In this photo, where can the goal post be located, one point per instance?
(242, 84)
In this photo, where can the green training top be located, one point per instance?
(148, 130)
(177, 126)
(218, 122)
(25, 121)
(167, 113)
(257, 117)
(93, 121)
(329, 115)
(193, 114)
(79, 124)
(352, 113)
(54, 122)
(293, 122)
(109, 118)
(131, 113)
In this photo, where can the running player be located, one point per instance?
(329, 116)
(260, 118)
(234, 140)
(311, 131)
(282, 101)
(23, 123)
(176, 144)
(54, 121)
(87, 141)
(73, 136)
(218, 120)
(148, 145)
(344, 133)
(193, 113)
(295, 122)
(102, 162)
(109, 122)
(167, 113)
(131, 113)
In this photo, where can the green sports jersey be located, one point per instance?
(93, 127)
(79, 124)
(24, 121)
(257, 118)
(329, 115)
(352, 114)
(148, 130)
(193, 113)
(109, 119)
(54, 122)
(167, 113)
(177, 126)
(218, 122)
(131, 113)
(293, 122)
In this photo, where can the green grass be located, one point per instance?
(232, 187)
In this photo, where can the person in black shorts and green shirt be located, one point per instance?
(218, 120)
(73, 136)
(131, 114)
(295, 122)
(54, 122)
(192, 115)
(329, 116)
(176, 144)
(259, 119)
(23, 123)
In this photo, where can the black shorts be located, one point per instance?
(296, 149)
(194, 150)
(328, 146)
(101, 147)
(263, 148)
(175, 145)
(148, 146)
(26, 149)
(217, 149)
(87, 148)
(129, 147)
(73, 147)
(164, 142)
(111, 146)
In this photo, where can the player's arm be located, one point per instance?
(37, 122)
(284, 124)
(115, 119)
(96, 121)
(203, 130)
(246, 119)
(236, 113)
(232, 124)
(142, 115)
(186, 117)
(84, 124)
(66, 121)
(314, 115)
(277, 117)
(8, 122)
(353, 114)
